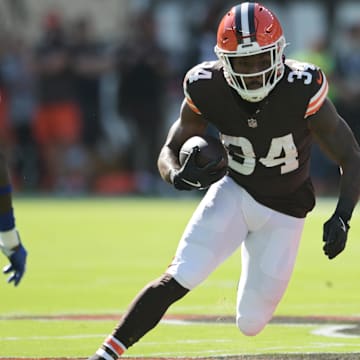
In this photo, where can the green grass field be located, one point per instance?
(91, 256)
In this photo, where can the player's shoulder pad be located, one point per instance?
(200, 72)
(198, 76)
(312, 80)
(305, 73)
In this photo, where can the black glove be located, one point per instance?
(190, 176)
(335, 235)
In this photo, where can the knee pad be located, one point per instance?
(250, 326)
(254, 311)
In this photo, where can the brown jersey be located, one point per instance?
(268, 142)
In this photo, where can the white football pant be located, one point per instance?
(226, 218)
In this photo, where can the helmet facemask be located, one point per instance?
(270, 75)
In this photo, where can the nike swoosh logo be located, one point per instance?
(343, 227)
(194, 184)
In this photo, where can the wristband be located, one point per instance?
(8, 241)
(7, 221)
(7, 189)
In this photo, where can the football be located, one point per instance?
(210, 149)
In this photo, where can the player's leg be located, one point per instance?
(213, 233)
(143, 314)
(268, 257)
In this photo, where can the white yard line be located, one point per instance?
(335, 331)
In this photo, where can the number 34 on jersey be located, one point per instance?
(242, 157)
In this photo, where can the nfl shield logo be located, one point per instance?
(252, 123)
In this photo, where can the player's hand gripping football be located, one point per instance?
(17, 257)
(335, 236)
(190, 176)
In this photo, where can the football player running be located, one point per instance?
(10, 243)
(268, 110)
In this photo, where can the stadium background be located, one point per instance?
(81, 246)
(130, 90)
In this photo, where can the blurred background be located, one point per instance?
(89, 87)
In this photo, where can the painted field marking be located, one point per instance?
(336, 331)
(328, 330)
(54, 337)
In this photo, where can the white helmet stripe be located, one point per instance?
(245, 22)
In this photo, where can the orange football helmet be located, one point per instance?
(251, 29)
